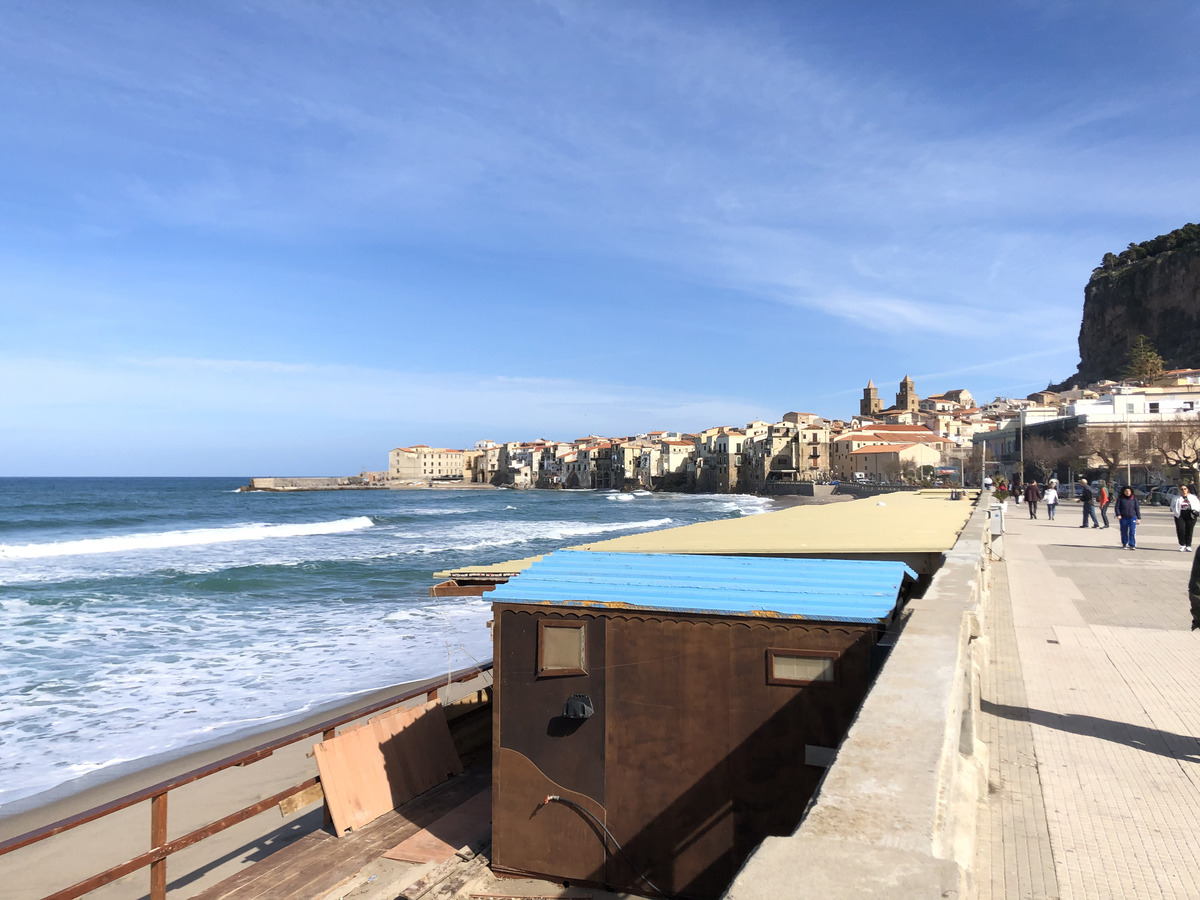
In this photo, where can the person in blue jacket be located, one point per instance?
(1129, 514)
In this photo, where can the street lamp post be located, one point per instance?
(1021, 443)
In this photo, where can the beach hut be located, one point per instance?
(658, 715)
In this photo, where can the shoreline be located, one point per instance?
(87, 849)
(72, 856)
(112, 782)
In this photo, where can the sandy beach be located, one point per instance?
(65, 859)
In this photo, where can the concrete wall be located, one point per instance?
(896, 814)
(307, 484)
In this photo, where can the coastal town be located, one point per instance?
(1107, 426)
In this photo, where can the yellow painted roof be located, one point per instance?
(494, 570)
(903, 522)
(909, 522)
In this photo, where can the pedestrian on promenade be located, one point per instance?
(1016, 490)
(1185, 509)
(1194, 592)
(1032, 496)
(1051, 498)
(1129, 514)
(1088, 499)
(1104, 501)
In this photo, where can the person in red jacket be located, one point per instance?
(1103, 501)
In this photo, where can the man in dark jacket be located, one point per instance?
(1194, 591)
(1089, 504)
(1032, 495)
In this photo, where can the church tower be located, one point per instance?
(870, 404)
(907, 398)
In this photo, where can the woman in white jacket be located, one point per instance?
(1051, 498)
(1185, 507)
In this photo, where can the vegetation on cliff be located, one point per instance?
(1145, 364)
(1141, 310)
(1187, 236)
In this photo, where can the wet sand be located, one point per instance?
(68, 858)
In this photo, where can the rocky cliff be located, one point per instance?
(1146, 290)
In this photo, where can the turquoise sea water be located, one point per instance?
(144, 615)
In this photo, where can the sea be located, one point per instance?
(144, 616)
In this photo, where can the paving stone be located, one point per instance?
(1091, 715)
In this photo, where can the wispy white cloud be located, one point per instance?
(732, 176)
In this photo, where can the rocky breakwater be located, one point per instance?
(320, 483)
(1151, 288)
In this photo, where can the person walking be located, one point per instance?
(1032, 496)
(1194, 591)
(1129, 514)
(1051, 498)
(1088, 499)
(1104, 500)
(1185, 509)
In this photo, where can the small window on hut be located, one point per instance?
(562, 648)
(800, 666)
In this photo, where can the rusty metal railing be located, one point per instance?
(160, 848)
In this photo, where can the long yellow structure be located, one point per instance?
(903, 525)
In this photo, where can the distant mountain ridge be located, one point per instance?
(1151, 288)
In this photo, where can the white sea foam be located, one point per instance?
(481, 537)
(133, 656)
(86, 767)
(169, 539)
(620, 497)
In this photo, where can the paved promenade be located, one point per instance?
(1091, 711)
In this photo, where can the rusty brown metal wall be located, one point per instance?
(539, 753)
(700, 757)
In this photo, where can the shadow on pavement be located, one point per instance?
(1152, 740)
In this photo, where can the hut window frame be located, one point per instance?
(547, 666)
(831, 669)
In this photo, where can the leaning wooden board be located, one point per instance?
(373, 768)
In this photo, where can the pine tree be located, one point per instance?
(1145, 364)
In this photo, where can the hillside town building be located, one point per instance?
(905, 441)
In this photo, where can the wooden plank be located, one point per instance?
(384, 763)
(464, 826)
(402, 785)
(454, 873)
(297, 802)
(352, 776)
(318, 862)
(421, 746)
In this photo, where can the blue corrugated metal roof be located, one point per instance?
(825, 589)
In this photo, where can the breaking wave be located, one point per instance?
(193, 538)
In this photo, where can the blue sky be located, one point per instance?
(282, 238)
